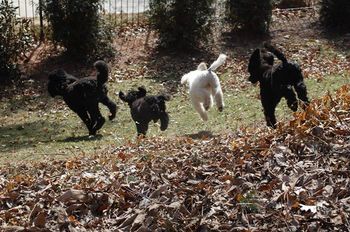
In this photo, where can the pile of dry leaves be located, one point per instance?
(294, 177)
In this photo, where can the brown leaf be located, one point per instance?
(40, 219)
(158, 191)
(73, 194)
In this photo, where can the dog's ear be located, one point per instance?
(268, 58)
(254, 61)
(254, 66)
(57, 82)
(142, 92)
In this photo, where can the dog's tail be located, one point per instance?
(102, 69)
(278, 53)
(220, 61)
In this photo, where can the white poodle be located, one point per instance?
(204, 84)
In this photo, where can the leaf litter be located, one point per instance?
(295, 177)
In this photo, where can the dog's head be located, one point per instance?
(57, 82)
(202, 66)
(267, 57)
(157, 102)
(133, 95)
(259, 61)
(254, 66)
(163, 97)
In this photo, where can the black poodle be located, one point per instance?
(83, 95)
(146, 108)
(278, 81)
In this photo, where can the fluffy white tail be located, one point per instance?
(220, 61)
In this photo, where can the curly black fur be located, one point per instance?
(146, 108)
(278, 81)
(83, 95)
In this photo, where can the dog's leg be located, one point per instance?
(219, 99)
(217, 92)
(202, 95)
(200, 109)
(96, 118)
(164, 121)
(208, 101)
(142, 128)
(86, 119)
(300, 88)
(270, 117)
(269, 105)
(100, 121)
(291, 98)
(105, 100)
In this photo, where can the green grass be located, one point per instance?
(40, 128)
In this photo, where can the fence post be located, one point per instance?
(42, 36)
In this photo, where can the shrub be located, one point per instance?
(292, 3)
(253, 16)
(182, 23)
(77, 26)
(15, 38)
(335, 15)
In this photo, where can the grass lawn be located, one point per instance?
(38, 127)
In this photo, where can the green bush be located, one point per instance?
(15, 38)
(77, 26)
(182, 23)
(252, 16)
(335, 15)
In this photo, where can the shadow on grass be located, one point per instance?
(38, 135)
(340, 42)
(38, 100)
(75, 139)
(201, 135)
(25, 135)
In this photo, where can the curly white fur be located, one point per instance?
(204, 85)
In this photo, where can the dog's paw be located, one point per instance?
(99, 124)
(92, 133)
(163, 127)
(220, 108)
(206, 107)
